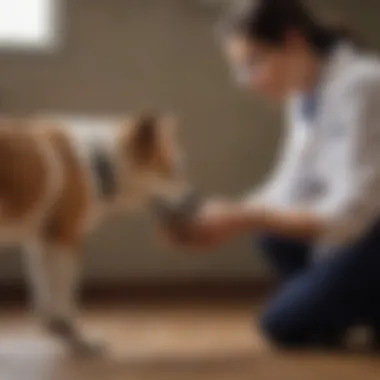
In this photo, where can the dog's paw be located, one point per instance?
(72, 337)
(86, 348)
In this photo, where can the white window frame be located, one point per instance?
(44, 33)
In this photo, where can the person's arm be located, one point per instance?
(260, 209)
(268, 207)
(351, 203)
(220, 220)
(352, 200)
(298, 223)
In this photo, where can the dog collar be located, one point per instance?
(104, 170)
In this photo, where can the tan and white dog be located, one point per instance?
(58, 177)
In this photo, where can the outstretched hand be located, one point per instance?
(215, 222)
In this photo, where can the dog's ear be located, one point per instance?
(144, 137)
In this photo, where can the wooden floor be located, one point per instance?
(168, 341)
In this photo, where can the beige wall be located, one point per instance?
(121, 56)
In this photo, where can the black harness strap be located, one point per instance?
(105, 173)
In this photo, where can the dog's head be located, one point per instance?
(152, 159)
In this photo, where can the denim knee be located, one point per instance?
(281, 331)
(285, 331)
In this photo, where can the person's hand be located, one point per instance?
(216, 221)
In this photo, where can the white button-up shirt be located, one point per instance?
(330, 161)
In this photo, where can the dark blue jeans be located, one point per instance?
(318, 301)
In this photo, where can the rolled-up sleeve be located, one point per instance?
(352, 201)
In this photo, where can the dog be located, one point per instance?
(59, 177)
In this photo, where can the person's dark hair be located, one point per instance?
(269, 21)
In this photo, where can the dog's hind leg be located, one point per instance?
(54, 274)
(65, 267)
(40, 278)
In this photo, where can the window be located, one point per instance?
(28, 24)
